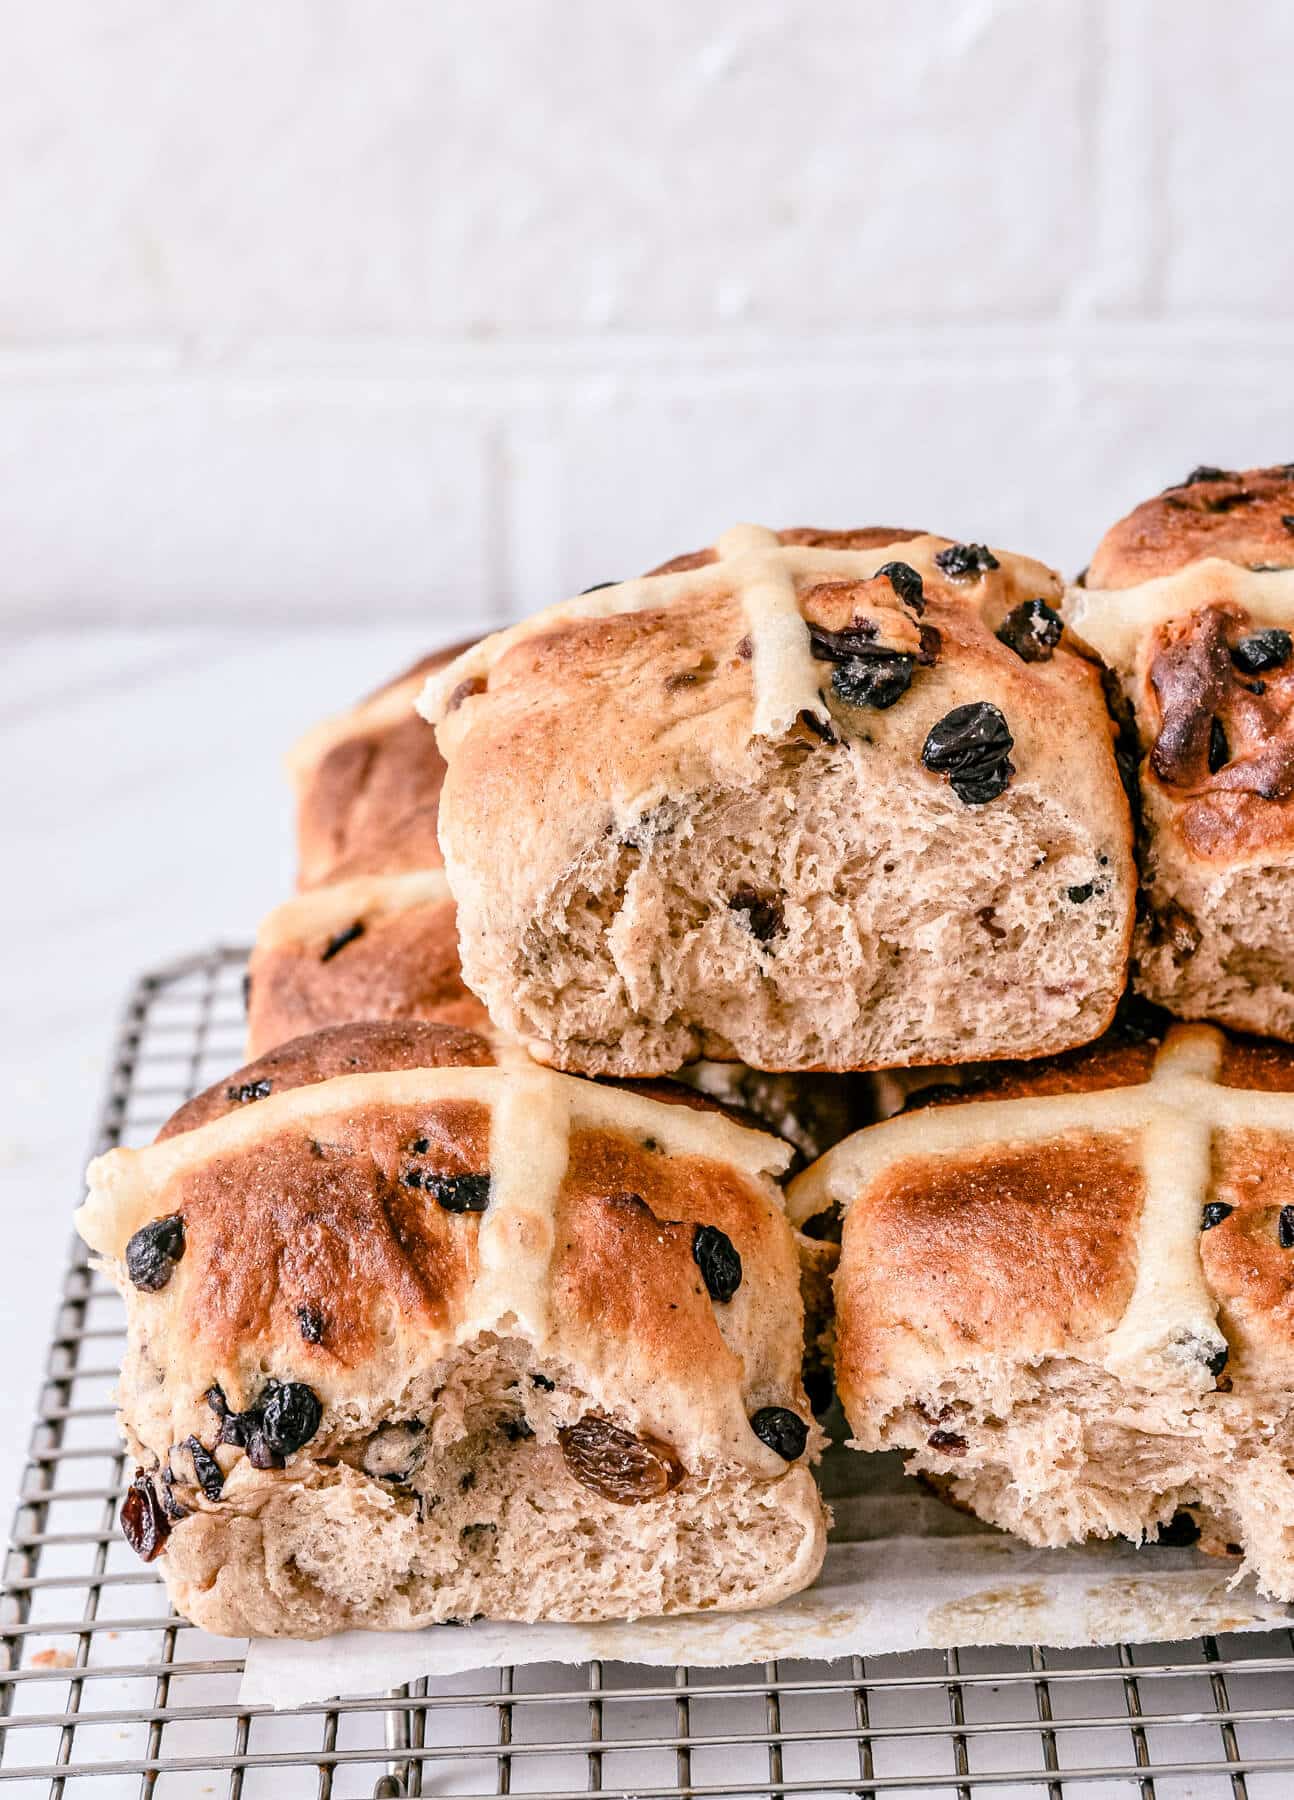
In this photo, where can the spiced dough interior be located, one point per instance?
(813, 918)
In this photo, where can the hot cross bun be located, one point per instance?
(372, 934)
(1068, 1296)
(372, 947)
(414, 1336)
(1190, 601)
(368, 785)
(807, 800)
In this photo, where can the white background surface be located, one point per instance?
(329, 331)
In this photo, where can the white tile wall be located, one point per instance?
(336, 310)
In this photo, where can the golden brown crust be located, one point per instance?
(1112, 1061)
(680, 1093)
(1221, 741)
(626, 1207)
(706, 648)
(332, 1223)
(1239, 516)
(343, 1049)
(331, 1226)
(857, 537)
(371, 806)
(1248, 1268)
(1250, 1062)
(1122, 1056)
(368, 801)
(400, 965)
(690, 559)
(864, 537)
(1109, 1063)
(1029, 1246)
(1014, 1226)
(352, 1236)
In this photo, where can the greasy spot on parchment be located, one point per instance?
(1179, 1604)
(960, 1621)
(767, 1639)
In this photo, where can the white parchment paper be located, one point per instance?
(903, 1572)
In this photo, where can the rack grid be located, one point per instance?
(104, 1691)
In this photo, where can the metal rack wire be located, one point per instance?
(105, 1692)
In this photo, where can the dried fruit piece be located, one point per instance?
(143, 1519)
(951, 1443)
(286, 1416)
(819, 727)
(311, 1319)
(215, 1399)
(290, 1414)
(1285, 1228)
(987, 916)
(1201, 472)
(966, 562)
(153, 1251)
(1082, 893)
(244, 1092)
(233, 1425)
(338, 943)
(782, 1430)
(876, 681)
(1033, 629)
(1173, 924)
(260, 1454)
(907, 583)
(459, 1193)
(1214, 1213)
(855, 618)
(856, 639)
(871, 656)
(206, 1470)
(971, 745)
(761, 916)
(170, 1505)
(719, 1261)
(1262, 650)
(1219, 749)
(617, 1464)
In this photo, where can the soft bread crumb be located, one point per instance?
(477, 1513)
(889, 925)
(1059, 1450)
(1218, 946)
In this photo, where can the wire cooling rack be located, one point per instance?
(104, 1691)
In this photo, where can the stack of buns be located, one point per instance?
(779, 954)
